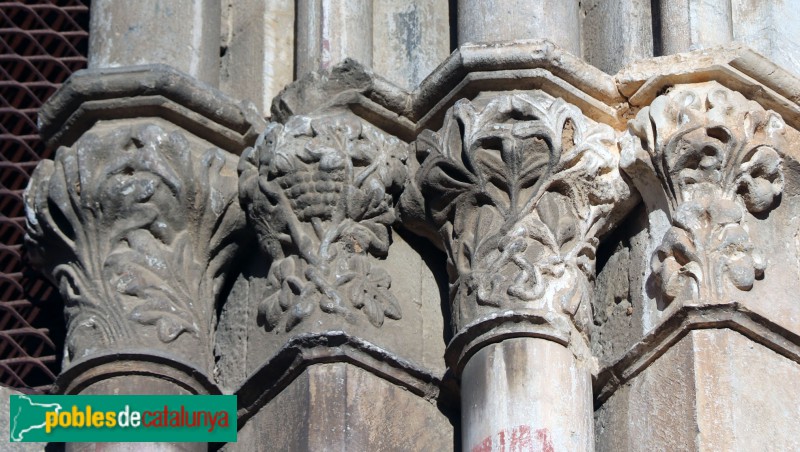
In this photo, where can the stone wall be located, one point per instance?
(575, 232)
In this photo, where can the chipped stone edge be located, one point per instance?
(736, 67)
(508, 324)
(470, 69)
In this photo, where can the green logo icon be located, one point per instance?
(122, 418)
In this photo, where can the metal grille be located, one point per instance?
(42, 44)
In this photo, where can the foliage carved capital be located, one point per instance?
(136, 225)
(320, 193)
(519, 189)
(707, 157)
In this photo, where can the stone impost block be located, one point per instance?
(713, 389)
(160, 91)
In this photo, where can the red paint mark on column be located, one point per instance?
(521, 440)
(517, 439)
(543, 436)
(484, 446)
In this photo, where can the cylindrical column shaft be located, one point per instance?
(526, 394)
(505, 20)
(181, 33)
(328, 31)
(692, 25)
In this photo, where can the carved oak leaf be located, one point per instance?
(705, 155)
(320, 193)
(518, 189)
(138, 227)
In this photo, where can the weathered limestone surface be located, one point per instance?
(340, 406)
(713, 390)
(125, 33)
(583, 260)
(692, 25)
(616, 33)
(412, 39)
(507, 20)
(256, 49)
(329, 31)
(531, 394)
(770, 28)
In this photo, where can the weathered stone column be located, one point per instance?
(519, 186)
(410, 39)
(181, 33)
(506, 20)
(616, 33)
(691, 25)
(137, 220)
(328, 31)
(257, 49)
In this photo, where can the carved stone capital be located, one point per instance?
(519, 189)
(707, 157)
(136, 224)
(319, 192)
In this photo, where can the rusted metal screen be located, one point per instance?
(42, 44)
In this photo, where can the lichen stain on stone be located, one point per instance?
(408, 32)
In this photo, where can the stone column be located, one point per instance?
(616, 33)
(411, 39)
(770, 28)
(691, 25)
(506, 20)
(138, 223)
(519, 187)
(328, 31)
(181, 33)
(257, 49)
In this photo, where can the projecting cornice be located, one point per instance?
(738, 68)
(537, 64)
(470, 70)
(148, 91)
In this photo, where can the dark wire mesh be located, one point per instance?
(41, 44)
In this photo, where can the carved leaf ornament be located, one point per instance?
(320, 194)
(518, 190)
(136, 232)
(706, 155)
